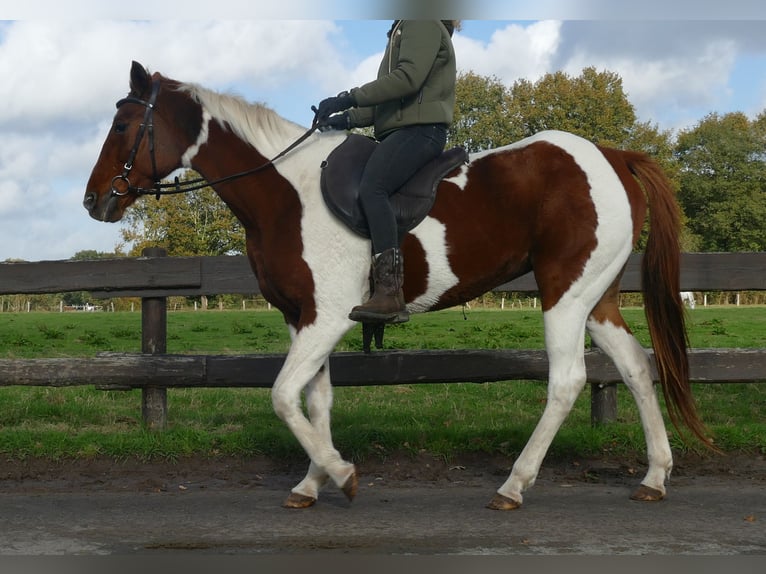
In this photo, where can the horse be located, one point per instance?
(553, 204)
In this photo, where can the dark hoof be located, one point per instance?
(351, 486)
(296, 500)
(500, 502)
(647, 494)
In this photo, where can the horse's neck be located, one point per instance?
(251, 197)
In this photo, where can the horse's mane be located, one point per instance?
(254, 123)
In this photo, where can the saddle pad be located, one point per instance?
(342, 172)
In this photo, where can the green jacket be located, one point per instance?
(415, 83)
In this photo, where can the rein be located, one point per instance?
(159, 188)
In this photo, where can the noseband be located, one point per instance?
(147, 126)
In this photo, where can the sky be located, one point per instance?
(63, 65)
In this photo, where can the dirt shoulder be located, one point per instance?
(400, 469)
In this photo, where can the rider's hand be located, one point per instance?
(336, 122)
(329, 106)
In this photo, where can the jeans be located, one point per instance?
(395, 160)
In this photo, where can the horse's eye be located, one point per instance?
(120, 128)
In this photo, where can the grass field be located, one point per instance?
(368, 422)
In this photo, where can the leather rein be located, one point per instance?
(160, 188)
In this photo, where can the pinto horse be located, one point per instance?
(554, 204)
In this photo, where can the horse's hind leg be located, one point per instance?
(612, 335)
(564, 341)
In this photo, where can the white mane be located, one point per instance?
(256, 124)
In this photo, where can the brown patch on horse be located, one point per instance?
(284, 277)
(608, 309)
(506, 191)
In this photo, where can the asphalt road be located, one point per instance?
(707, 515)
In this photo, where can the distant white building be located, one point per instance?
(688, 298)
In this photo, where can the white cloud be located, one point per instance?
(671, 90)
(366, 71)
(74, 71)
(673, 72)
(512, 52)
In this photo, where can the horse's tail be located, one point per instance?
(665, 313)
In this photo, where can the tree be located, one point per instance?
(193, 223)
(89, 254)
(592, 105)
(723, 182)
(83, 297)
(482, 119)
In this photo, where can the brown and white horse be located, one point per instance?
(554, 204)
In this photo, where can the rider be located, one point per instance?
(410, 105)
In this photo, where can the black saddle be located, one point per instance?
(342, 171)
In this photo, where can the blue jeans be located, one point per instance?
(395, 160)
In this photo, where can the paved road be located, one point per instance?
(705, 515)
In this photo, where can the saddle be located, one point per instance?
(339, 181)
(342, 172)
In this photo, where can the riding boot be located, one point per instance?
(386, 305)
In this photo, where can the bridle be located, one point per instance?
(160, 188)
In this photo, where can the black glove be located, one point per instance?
(336, 122)
(329, 106)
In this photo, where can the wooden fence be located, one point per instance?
(154, 277)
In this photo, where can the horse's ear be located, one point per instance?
(139, 79)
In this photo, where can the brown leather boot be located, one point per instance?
(387, 302)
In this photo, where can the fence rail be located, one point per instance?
(154, 277)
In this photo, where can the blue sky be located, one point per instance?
(62, 74)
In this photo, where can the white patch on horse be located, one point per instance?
(461, 179)
(338, 258)
(432, 236)
(204, 132)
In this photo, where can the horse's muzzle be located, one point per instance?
(104, 210)
(90, 201)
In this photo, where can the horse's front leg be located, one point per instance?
(319, 404)
(306, 365)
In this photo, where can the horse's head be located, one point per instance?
(144, 145)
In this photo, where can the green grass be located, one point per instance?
(442, 419)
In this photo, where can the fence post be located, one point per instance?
(603, 401)
(154, 327)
